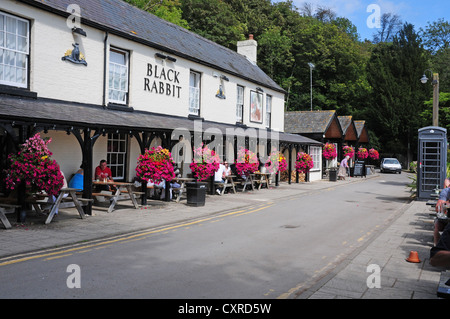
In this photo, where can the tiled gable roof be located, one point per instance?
(348, 127)
(345, 122)
(303, 122)
(359, 127)
(117, 16)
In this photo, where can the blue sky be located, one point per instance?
(416, 12)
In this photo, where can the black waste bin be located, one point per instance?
(332, 173)
(196, 193)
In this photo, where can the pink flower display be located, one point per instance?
(155, 165)
(348, 151)
(276, 162)
(373, 154)
(362, 153)
(205, 163)
(329, 151)
(304, 162)
(246, 162)
(33, 166)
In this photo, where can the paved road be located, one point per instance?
(274, 249)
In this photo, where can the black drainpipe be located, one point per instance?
(104, 67)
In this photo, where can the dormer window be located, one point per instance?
(14, 50)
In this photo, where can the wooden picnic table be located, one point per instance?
(248, 181)
(65, 195)
(229, 182)
(115, 197)
(7, 209)
(182, 181)
(262, 178)
(73, 197)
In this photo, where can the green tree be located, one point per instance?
(169, 10)
(214, 20)
(397, 98)
(275, 54)
(436, 37)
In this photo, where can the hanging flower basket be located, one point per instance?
(246, 162)
(348, 151)
(373, 154)
(155, 165)
(276, 162)
(304, 162)
(362, 153)
(33, 166)
(205, 163)
(329, 151)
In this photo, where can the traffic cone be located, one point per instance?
(413, 257)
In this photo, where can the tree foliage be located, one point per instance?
(375, 81)
(398, 96)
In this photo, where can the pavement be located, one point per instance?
(375, 270)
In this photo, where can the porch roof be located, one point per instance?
(48, 112)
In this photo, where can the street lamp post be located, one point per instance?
(311, 67)
(435, 84)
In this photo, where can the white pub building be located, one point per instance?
(106, 80)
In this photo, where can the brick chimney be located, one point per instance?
(248, 48)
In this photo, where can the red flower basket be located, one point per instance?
(373, 154)
(155, 165)
(304, 162)
(348, 151)
(362, 153)
(276, 162)
(246, 162)
(33, 166)
(205, 163)
(329, 151)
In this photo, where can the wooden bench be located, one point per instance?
(443, 289)
(7, 209)
(432, 203)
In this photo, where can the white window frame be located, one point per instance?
(11, 54)
(118, 78)
(194, 93)
(116, 154)
(268, 110)
(240, 104)
(316, 154)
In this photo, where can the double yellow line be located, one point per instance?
(135, 236)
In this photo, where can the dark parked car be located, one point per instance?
(390, 165)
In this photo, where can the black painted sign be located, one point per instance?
(160, 80)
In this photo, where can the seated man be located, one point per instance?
(444, 198)
(103, 173)
(77, 180)
(440, 254)
(219, 177)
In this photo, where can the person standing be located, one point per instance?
(342, 172)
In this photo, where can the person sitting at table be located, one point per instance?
(52, 199)
(103, 173)
(439, 223)
(219, 177)
(440, 254)
(77, 180)
(227, 168)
